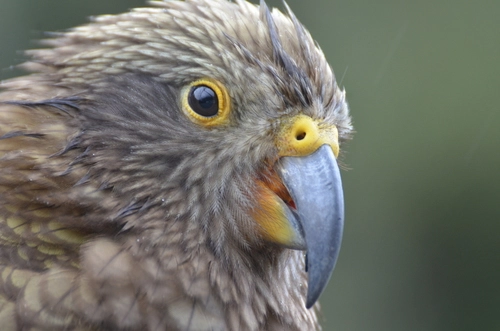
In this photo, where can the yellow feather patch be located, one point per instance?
(270, 215)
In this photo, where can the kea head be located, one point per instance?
(186, 129)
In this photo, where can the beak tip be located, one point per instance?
(318, 278)
(311, 299)
(310, 303)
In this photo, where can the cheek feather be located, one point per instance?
(269, 213)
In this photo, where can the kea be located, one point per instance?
(174, 167)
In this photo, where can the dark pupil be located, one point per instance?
(203, 101)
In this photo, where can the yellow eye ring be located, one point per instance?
(206, 102)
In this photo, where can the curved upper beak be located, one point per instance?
(315, 186)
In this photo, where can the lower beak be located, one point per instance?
(315, 186)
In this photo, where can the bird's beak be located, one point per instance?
(301, 205)
(316, 189)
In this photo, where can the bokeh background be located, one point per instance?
(422, 237)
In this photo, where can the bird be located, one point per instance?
(174, 167)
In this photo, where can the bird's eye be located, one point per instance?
(203, 101)
(206, 102)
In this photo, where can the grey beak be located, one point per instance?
(315, 186)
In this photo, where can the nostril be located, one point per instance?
(300, 136)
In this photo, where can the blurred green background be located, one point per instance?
(422, 237)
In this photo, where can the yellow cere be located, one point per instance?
(224, 103)
(301, 135)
